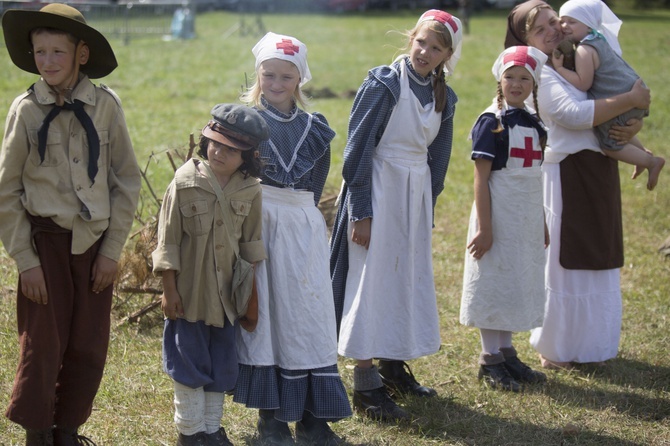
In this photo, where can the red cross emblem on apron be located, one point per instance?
(527, 153)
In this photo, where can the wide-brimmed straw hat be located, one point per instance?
(17, 25)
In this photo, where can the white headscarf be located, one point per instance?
(453, 25)
(596, 15)
(277, 46)
(528, 57)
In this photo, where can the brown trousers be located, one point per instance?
(63, 344)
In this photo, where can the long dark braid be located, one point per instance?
(440, 88)
(501, 101)
(543, 140)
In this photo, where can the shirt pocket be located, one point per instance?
(241, 209)
(197, 217)
(54, 155)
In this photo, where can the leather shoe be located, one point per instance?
(198, 439)
(272, 432)
(399, 379)
(315, 431)
(378, 405)
(522, 373)
(496, 375)
(39, 437)
(219, 438)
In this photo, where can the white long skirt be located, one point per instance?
(582, 319)
(296, 314)
(390, 308)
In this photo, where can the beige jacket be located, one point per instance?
(192, 240)
(59, 187)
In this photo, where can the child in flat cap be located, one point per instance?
(211, 213)
(288, 366)
(69, 185)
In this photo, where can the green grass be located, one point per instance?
(167, 90)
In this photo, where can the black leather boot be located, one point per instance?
(39, 437)
(378, 405)
(315, 431)
(399, 379)
(272, 431)
(64, 436)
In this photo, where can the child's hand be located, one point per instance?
(171, 304)
(624, 133)
(641, 95)
(480, 244)
(33, 285)
(557, 59)
(103, 273)
(361, 232)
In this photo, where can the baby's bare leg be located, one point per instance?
(642, 159)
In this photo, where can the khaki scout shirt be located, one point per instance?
(59, 187)
(192, 239)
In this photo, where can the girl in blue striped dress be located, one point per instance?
(395, 162)
(288, 365)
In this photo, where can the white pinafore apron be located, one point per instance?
(296, 313)
(390, 309)
(504, 290)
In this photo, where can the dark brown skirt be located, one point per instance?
(591, 228)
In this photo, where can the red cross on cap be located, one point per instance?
(527, 153)
(520, 57)
(442, 17)
(287, 46)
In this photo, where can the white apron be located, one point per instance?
(390, 309)
(504, 290)
(296, 313)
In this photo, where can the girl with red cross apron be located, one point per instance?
(503, 284)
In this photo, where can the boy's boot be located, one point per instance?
(66, 436)
(198, 439)
(492, 369)
(399, 379)
(372, 399)
(520, 371)
(315, 431)
(218, 438)
(39, 437)
(272, 432)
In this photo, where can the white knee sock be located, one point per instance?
(505, 339)
(213, 411)
(189, 409)
(490, 341)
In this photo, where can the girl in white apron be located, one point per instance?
(395, 162)
(288, 365)
(503, 284)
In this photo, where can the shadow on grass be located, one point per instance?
(454, 423)
(636, 384)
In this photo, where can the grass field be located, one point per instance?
(167, 90)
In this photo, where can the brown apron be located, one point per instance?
(591, 227)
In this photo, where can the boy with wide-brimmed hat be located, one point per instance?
(69, 185)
